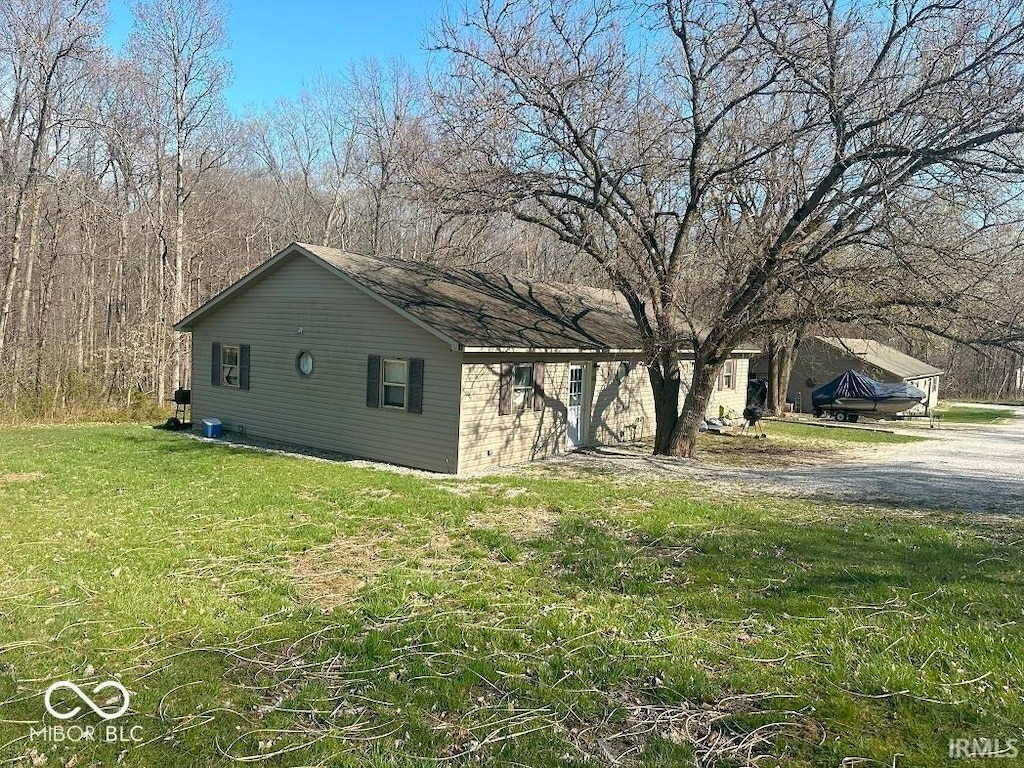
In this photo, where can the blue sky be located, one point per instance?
(275, 46)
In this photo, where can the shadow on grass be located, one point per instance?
(777, 566)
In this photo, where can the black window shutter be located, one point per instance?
(373, 381)
(414, 403)
(538, 386)
(215, 364)
(505, 390)
(243, 366)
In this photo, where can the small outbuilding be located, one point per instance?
(449, 370)
(820, 359)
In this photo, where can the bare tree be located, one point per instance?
(733, 167)
(306, 146)
(44, 44)
(385, 110)
(180, 45)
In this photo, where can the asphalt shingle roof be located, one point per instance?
(487, 310)
(478, 311)
(883, 356)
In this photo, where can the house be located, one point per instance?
(822, 358)
(448, 370)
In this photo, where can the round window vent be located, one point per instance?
(304, 362)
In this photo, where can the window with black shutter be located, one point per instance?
(415, 400)
(230, 365)
(520, 388)
(394, 382)
(373, 381)
(538, 386)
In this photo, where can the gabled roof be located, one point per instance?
(883, 357)
(493, 311)
(470, 310)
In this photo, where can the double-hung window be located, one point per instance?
(522, 386)
(229, 366)
(727, 379)
(394, 383)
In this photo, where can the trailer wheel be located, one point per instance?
(854, 418)
(817, 413)
(840, 415)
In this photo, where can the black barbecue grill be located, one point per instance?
(182, 402)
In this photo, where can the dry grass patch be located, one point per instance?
(726, 732)
(329, 575)
(20, 477)
(521, 523)
(468, 489)
(376, 493)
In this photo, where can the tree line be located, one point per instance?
(131, 193)
(742, 169)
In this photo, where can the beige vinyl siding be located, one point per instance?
(487, 439)
(733, 400)
(492, 440)
(621, 410)
(930, 385)
(341, 326)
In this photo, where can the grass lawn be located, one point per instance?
(791, 442)
(966, 414)
(284, 612)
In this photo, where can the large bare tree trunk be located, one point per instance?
(781, 353)
(695, 406)
(664, 376)
(22, 331)
(17, 235)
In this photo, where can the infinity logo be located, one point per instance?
(82, 695)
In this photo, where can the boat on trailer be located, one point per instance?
(852, 395)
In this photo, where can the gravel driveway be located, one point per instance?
(979, 468)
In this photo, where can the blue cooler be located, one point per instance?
(212, 428)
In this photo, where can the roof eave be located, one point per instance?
(186, 323)
(584, 350)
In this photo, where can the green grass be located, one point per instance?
(840, 435)
(790, 443)
(966, 414)
(310, 613)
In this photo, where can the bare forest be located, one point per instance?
(131, 194)
(737, 170)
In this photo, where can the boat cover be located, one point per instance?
(856, 385)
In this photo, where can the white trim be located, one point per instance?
(237, 366)
(738, 352)
(404, 385)
(583, 419)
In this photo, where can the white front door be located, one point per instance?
(576, 415)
